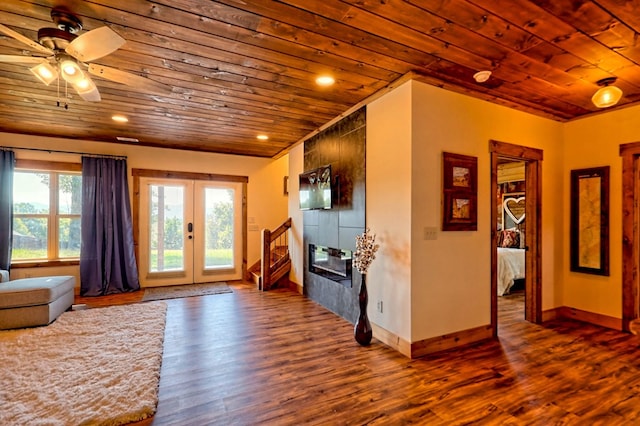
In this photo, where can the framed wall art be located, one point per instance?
(459, 192)
(589, 250)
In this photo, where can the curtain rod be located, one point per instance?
(4, 148)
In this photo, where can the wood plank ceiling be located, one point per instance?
(238, 68)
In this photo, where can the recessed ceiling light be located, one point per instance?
(262, 137)
(119, 118)
(482, 76)
(325, 80)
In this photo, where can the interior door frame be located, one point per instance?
(533, 231)
(630, 153)
(163, 174)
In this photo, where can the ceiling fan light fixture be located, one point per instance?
(607, 95)
(87, 89)
(84, 85)
(45, 73)
(71, 71)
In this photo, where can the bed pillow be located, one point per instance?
(509, 238)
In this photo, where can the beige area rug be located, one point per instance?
(91, 367)
(189, 290)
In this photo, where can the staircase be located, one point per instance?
(274, 265)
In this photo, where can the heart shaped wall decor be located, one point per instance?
(515, 207)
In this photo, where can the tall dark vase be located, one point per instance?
(362, 330)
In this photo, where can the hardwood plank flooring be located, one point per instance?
(278, 358)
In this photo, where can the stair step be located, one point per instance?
(256, 278)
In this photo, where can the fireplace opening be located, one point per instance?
(331, 263)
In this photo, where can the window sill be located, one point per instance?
(44, 263)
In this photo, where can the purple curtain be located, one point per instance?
(107, 260)
(7, 164)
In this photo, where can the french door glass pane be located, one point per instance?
(166, 228)
(219, 231)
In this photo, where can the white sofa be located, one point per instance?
(31, 302)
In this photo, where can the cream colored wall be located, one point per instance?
(595, 142)
(448, 288)
(266, 203)
(388, 213)
(296, 166)
(451, 275)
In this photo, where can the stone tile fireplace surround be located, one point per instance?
(343, 147)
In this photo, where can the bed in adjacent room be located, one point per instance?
(511, 247)
(511, 267)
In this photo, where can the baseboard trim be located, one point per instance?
(551, 314)
(433, 344)
(589, 317)
(451, 341)
(392, 340)
(296, 287)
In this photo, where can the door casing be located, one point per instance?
(161, 174)
(533, 207)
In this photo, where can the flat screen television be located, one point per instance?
(315, 189)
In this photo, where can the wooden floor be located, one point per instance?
(277, 358)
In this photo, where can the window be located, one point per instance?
(46, 212)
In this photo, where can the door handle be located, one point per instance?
(190, 227)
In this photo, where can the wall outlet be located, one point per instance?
(380, 306)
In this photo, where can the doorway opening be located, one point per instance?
(511, 241)
(520, 206)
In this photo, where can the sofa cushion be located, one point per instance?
(4, 275)
(34, 291)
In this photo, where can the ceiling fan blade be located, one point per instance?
(26, 40)
(130, 79)
(95, 44)
(17, 59)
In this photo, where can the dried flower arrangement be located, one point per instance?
(365, 251)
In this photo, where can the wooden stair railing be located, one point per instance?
(275, 262)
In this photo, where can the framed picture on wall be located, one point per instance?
(589, 249)
(459, 192)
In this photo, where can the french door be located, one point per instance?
(190, 231)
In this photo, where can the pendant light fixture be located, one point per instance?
(607, 95)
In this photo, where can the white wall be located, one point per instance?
(594, 142)
(449, 286)
(266, 203)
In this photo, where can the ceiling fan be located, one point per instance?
(67, 53)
